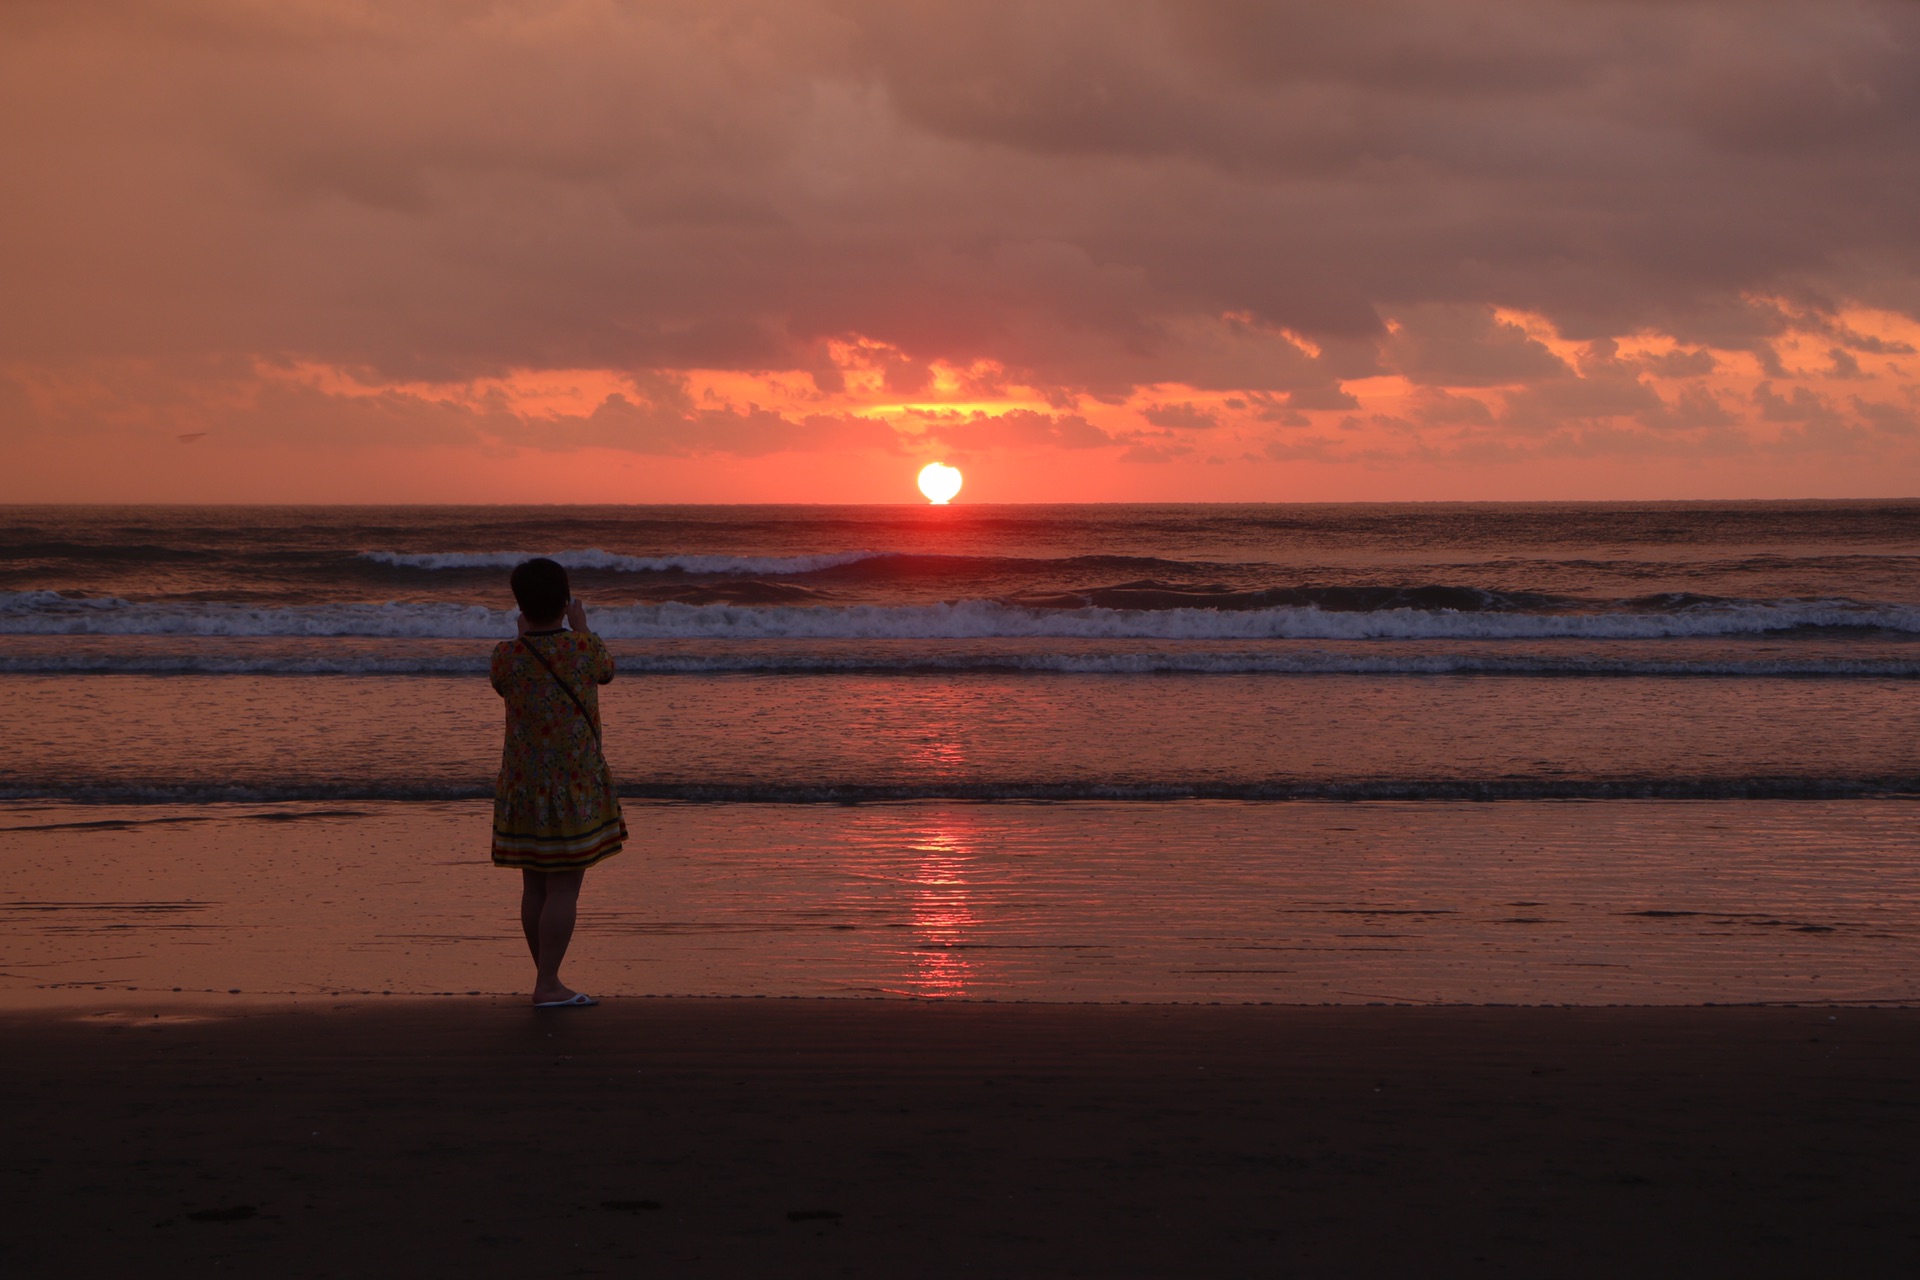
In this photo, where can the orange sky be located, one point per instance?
(748, 250)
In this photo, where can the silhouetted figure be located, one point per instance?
(555, 812)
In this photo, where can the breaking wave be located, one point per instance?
(52, 613)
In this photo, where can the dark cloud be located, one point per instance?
(1185, 414)
(1434, 406)
(1843, 364)
(1604, 387)
(1887, 417)
(1018, 429)
(1679, 363)
(621, 423)
(1326, 396)
(1799, 405)
(1694, 408)
(1467, 346)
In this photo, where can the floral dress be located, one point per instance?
(554, 807)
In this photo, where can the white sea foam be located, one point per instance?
(986, 619)
(594, 558)
(48, 613)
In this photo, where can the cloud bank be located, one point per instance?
(1186, 233)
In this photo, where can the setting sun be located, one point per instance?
(939, 482)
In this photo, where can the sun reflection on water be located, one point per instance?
(943, 917)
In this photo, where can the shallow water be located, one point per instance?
(1522, 901)
(980, 735)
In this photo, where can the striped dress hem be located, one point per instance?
(559, 853)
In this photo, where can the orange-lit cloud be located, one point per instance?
(1116, 249)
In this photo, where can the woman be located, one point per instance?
(555, 812)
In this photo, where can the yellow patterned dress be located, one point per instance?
(554, 807)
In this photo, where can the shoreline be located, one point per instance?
(846, 1136)
(250, 1003)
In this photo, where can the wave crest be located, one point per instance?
(595, 558)
(50, 613)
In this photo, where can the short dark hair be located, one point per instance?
(541, 589)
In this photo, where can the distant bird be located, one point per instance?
(191, 436)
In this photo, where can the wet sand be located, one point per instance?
(808, 1137)
(1555, 902)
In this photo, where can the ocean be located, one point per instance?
(1099, 689)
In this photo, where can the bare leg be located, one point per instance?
(533, 896)
(555, 931)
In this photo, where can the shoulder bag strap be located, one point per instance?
(564, 686)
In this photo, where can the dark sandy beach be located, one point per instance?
(764, 1137)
